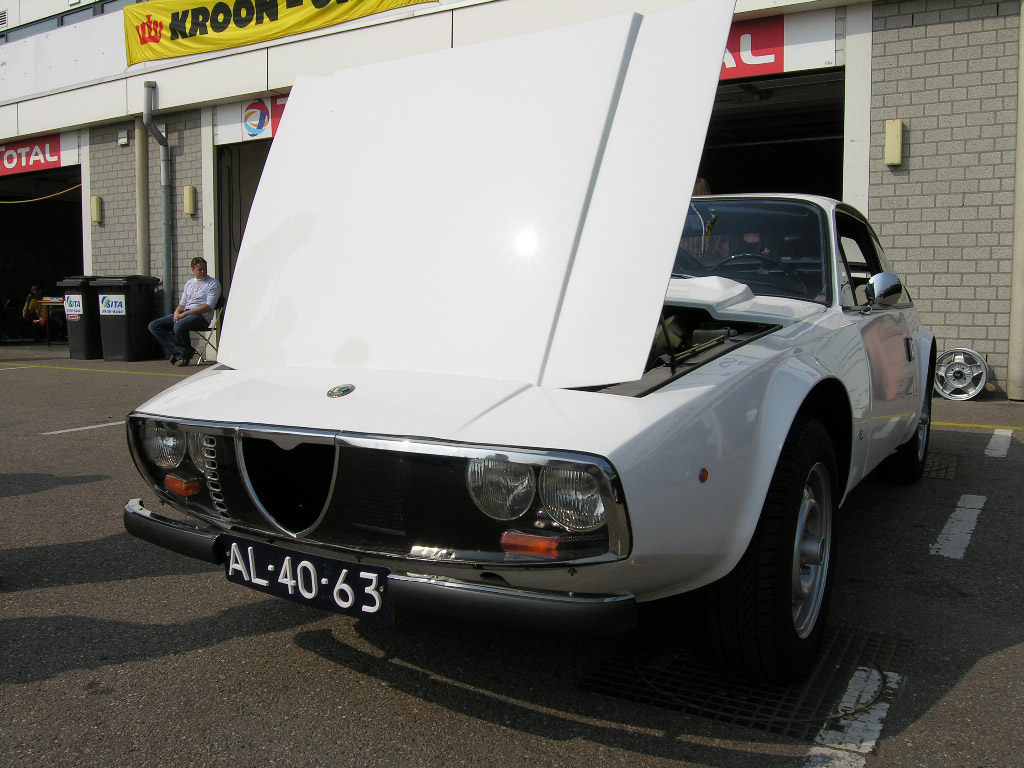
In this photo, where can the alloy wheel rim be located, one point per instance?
(812, 547)
(960, 374)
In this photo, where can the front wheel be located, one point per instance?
(768, 614)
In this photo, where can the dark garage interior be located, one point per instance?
(41, 221)
(777, 134)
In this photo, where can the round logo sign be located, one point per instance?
(256, 118)
(341, 390)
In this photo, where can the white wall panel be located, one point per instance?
(227, 123)
(516, 17)
(204, 81)
(857, 117)
(24, 11)
(9, 121)
(810, 40)
(80, 53)
(324, 55)
(69, 147)
(93, 104)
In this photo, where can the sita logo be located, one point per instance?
(150, 31)
(110, 303)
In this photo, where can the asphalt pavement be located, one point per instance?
(114, 652)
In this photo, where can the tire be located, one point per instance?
(768, 614)
(907, 464)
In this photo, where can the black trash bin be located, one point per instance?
(125, 307)
(83, 317)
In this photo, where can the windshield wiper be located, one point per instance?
(707, 232)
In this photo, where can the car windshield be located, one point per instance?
(777, 247)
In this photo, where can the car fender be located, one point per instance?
(789, 389)
(924, 342)
(690, 531)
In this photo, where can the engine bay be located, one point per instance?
(685, 339)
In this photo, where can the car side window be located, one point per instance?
(860, 259)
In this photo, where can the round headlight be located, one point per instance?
(195, 450)
(164, 445)
(573, 498)
(502, 489)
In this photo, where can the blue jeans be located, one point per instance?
(174, 336)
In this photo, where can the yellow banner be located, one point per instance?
(162, 29)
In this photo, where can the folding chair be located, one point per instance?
(206, 337)
(10, 322)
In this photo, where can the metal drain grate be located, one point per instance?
(675, 678)
(940, 465)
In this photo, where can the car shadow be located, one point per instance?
(951, 613)
(25, 483)
(39, 648)
(113, 558)
(523, 681)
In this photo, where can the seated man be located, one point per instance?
(194, 313)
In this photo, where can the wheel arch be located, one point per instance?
(797, 387)
(829, 403)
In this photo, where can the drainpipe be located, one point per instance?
(141, 197)
(165, 191)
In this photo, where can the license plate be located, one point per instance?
(351, 588)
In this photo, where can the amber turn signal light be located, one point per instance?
(182, 486)
(518, 543)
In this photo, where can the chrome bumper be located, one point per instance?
(494, 604)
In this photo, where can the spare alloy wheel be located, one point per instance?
(960, 374)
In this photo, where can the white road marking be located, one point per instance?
(13, 367)
(999, 445)
(81, 429)
(820, 757)
(846, 739)
(955, 537)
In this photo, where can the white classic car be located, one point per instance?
(451, 378)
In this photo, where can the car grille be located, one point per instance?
(361, 493)
(291, 485)
(347, 496)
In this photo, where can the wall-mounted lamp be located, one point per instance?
(122, 138)
(894, 142)
(189, 195)
(96, 209)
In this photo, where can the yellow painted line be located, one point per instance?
(97, 370)
(974, 426)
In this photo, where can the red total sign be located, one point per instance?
(755, 47)
(30, 155)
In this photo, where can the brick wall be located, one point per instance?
(948, 69)
(112, 174)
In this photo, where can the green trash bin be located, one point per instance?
(83, 317)
(125, 307)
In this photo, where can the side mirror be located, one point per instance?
(883, 290)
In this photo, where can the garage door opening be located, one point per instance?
(777, 134)
(41, 221)
(239, 167)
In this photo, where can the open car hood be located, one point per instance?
(507, 210)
